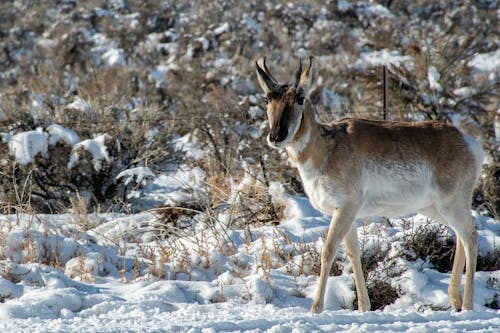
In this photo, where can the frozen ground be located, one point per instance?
(156, 316)
(98, 286)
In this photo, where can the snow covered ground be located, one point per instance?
(152, 315)
(106, 281)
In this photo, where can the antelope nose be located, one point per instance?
(273, 136)
(278, 134)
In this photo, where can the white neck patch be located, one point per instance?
(297, 147)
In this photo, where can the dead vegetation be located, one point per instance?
(212, 102)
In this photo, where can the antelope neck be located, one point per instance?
(304, 137)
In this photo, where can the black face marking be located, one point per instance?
(280, 132)
(277, 93)
(299, 96)
(287, 97)
(299, 99)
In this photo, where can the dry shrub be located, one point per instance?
(180, 220)
(56, 73)
(10, 271)
(379, 268)
(494, 284)
(411, 96)
(381, 294)
(311, 258)
(139, 134)
(489, 261)
(495, 303)
(252, 204)
(221, 125)
(52, 185)
(432, 243)
(486, 197)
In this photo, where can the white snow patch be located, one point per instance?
(224, 27)
(159, 72)
(261, 300)
(9, 290)
(188, 144)
(139, 175)
(79, 104)
(113, 57)
(486, 62)
(433, 76)
(96, 147)
(251, 23)
(60, 133)
(25, 146)
(255, 112)
(380, 58)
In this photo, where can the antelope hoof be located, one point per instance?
(456, 303)
(316, 308)
(467, 306)
(363, 308)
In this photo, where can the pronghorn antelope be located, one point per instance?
(356, 168)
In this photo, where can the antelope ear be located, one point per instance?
(265, 78)
(309, 75)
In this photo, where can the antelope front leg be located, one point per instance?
(342, 220)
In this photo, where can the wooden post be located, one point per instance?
(385, 91)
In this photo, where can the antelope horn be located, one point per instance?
(264, 75)
(298, 73)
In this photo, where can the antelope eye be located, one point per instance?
(266, 100)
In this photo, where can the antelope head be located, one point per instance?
(285, 102)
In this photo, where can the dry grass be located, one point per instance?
(432, 243)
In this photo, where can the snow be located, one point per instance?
(159, 72)
(25, 146)
(251, 23)
(114, 57)
(147, 308)
(140, 175)
(99, 286)
(224, 27)
(255, 112)
(187, 145)
(486, 62)
(90, 296)
(433, 76)
(79, 104)
(60, 133)
(96, 147)
(381, 58)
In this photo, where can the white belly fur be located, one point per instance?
(394, 189)
(387, 189)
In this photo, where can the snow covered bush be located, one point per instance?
(48, 168)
